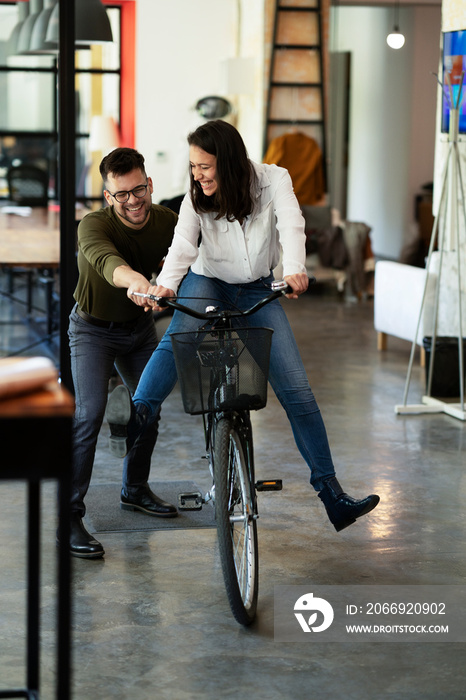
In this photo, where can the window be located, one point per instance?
(28, 102)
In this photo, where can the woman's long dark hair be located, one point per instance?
(235, 174)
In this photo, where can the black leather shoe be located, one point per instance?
(148, 503)
(125, 420)
(342, 509)
(82, 544)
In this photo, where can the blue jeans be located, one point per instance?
(94, 352)
(287, 375)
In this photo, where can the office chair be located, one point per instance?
(28, 185)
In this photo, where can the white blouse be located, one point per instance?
(231, 254)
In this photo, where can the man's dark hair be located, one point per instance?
(121, 161)
(235, 175)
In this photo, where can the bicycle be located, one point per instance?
(223, 375)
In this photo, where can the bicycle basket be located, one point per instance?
(223, 370)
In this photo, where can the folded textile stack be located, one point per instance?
(19, 376)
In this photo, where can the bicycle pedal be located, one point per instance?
(269, 485)
(190, 501)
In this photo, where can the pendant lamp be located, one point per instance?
(12, 44)
(396, 39)
(24, 40)
(92, 25)
(38, 44)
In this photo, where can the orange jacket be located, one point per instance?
(302, 157)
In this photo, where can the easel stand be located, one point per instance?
(452, 179)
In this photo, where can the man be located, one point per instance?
(120, 247)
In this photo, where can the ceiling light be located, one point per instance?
(396, 39)
(92, 25)
(24, 40)
(38, 44)
(12, 45)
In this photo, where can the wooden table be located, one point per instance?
(35, 435)
(33, 243)
(30, 241)
(34, 240)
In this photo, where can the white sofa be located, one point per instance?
(398, 293)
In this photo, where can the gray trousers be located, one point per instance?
(94, 353)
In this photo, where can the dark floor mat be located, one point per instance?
(104, 514)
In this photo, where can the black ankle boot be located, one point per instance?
(126, 421)
(343, 510)
(82, 543)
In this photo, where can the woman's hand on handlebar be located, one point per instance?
(299, 284)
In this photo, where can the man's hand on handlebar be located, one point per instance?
(299, 283)
(137, 289)
(154, 290)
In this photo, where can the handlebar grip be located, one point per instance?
(282, 286)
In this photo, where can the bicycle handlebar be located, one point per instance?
(279, 288)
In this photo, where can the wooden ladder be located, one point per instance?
(296, 76)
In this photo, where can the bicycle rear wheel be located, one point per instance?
(236, 524)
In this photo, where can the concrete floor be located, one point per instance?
(151, 620)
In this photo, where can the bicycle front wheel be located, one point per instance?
(236, 523)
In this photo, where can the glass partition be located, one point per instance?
(28, 102)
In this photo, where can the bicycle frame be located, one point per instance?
(229, 438)
(221, 322)
(222, 381)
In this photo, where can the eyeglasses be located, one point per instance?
(122, 197)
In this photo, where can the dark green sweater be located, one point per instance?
(105, 243)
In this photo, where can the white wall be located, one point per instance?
(180, 49)
(392, 116)
(427, 38)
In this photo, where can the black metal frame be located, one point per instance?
(29, 460)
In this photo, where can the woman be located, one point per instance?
(232, 225)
